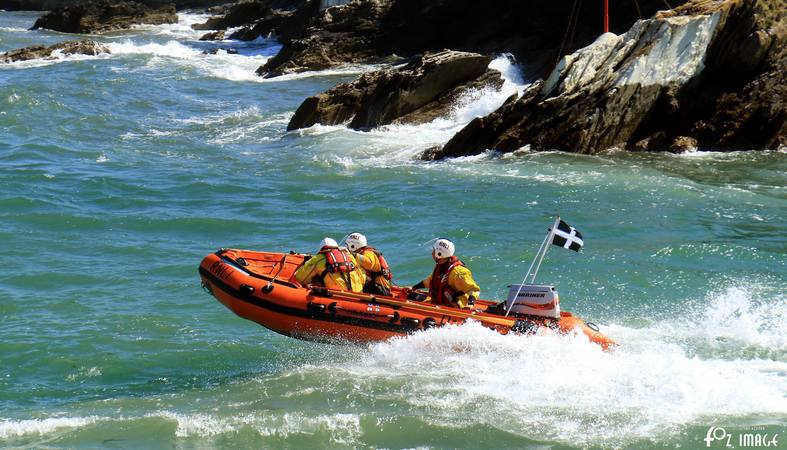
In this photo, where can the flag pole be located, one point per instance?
(538, 254)
(549, 241)
(542, 249)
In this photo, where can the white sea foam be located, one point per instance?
(173, 49)
(84, 372)
(244, 125)
(742, 318)
(240, 116)
(343, 428)
(55, 57)
(568, 389)
(383, 146)
(344, 70)
(718, 362)
(182, 29)
(234, 67)
(717, 156)
(15, 428)
(196, 424)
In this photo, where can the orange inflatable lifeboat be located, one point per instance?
(258, 286)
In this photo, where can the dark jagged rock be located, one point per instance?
(236, 15)
(716, 74)
(339, 35)
(740, 101)
(213, 36)
(534, 31)
(83, 47)
(219, 10)
(416, 93)
(284, 24)
(754, 117)
(104, 15)
(260, 18)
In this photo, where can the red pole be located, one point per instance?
(606, 16)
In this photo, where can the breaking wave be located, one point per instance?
(398, 144)
(718, 364)
(727, 360)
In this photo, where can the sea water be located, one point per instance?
(119, 172)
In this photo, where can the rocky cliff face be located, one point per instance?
(709, 74)
(419, 92)
(738, 102)
(536, 32)
(104, 15)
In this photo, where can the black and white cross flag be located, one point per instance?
(567, 237)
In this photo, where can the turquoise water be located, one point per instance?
(118, 173)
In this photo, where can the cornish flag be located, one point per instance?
(567, 237)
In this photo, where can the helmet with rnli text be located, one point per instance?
(443, 248)
(328, 242)
(355, 241)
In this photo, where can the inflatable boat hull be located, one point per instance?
(257, 286)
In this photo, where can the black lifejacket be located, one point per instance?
(438, 284)
(385, 270)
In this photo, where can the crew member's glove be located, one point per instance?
(471, 300)
(413, 295)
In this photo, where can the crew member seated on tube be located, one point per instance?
(451, 282)
(378, 274)
(333, 268)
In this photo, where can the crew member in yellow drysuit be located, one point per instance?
(378, 274)
(451, 282)
(333, 268)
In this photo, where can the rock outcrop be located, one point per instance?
(102, 16)
(284, 18)
(711, 70)
(213, 36)
(740, 101)
(339, 35)
(283, 23)
(419, 92)
(535, 32)
(83, 47)
(367, 31)
(235, 15)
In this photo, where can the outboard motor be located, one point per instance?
(534, 300)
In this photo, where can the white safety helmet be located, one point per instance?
(328, 242)
(443, 248)
(355, 241)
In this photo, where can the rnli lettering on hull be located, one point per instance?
(223, 270)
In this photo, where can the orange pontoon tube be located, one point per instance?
(257, 286)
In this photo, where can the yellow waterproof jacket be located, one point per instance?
(461, 284)
(371, 264)
(310, 271)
